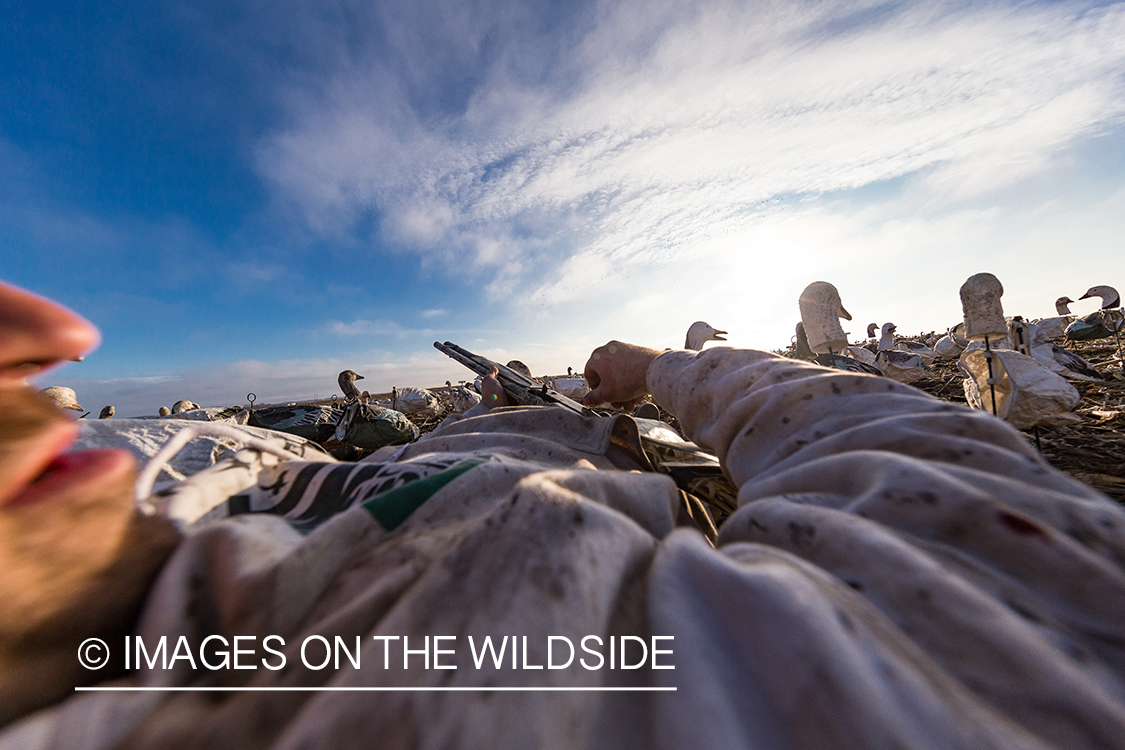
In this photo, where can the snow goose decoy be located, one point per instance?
(895, 363)
(819, 333)
(1016, 387)
(1106, 322)
(461, 399)
(699, 333)
(1054, 329)
(927, 354)
(347, 379)
(63, 397)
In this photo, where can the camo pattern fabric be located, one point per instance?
(307, 493)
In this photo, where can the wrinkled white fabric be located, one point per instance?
(901, 572)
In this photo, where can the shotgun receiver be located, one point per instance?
(695, 470)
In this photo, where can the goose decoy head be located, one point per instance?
(63, 397)
(821, 310)
(519, 367)
(981, 307)
(164, 411)
(107, 412)
(1061, 305)
(1109, 295)
(699, 333)
(871, 329)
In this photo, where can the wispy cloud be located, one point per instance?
(436, 313)
(364, 328)
(666, 129)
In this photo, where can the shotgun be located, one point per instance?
(696, 471)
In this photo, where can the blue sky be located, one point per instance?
(252, 196)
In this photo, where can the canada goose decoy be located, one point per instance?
(347, 379)
(107, 412)
(699, 333)
(1106, 322)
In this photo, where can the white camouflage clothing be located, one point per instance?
(902, 572)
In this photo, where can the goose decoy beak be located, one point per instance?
(1086, 295)
(718, 335)
(359, 377)
(844, 313)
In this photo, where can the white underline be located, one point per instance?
(372, 689)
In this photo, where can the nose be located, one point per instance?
(36, 333)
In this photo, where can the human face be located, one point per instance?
(35, 335)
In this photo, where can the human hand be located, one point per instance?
(491, 392)
(616, 374)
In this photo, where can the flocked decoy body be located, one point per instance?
(927, 354)
(1055, 328)
(461, 399)
(107, 412)
(1101, 324)
(699, 333)
(63, 397)
(347, 379)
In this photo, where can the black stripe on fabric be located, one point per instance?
(297, 489)
(329, 500)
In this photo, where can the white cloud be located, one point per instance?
(675, 123)
(363, 328)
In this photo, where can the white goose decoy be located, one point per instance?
(1101, 324)
(819, 333)
(821, 310)
(699, 333)
(63, 397)
(461, 399)
(1054, 329)
(1015, 387)
(839, 361)
(895, 363)
(927, 354)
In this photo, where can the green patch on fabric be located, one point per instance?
(393, 507)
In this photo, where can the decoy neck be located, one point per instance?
(700, 333)
(1109, 295)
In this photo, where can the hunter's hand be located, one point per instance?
(616, 374)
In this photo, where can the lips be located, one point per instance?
(33, 436)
